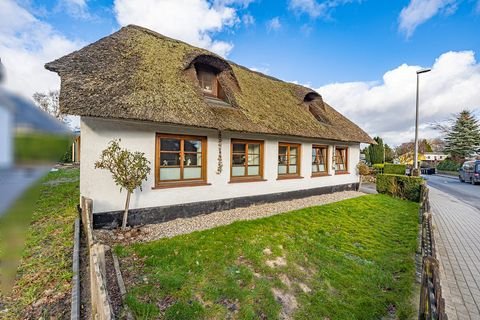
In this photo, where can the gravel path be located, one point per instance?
(176, 227)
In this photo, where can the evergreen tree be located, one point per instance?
(376, 152)
(389, 153)
(463, 138)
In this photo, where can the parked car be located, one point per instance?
(470, 172)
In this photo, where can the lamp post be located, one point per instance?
(415, 154)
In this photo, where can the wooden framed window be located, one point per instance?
(288, 160)
(319, 160)
(180, 160)
(207, 78)
(246, 160)
(341, 160)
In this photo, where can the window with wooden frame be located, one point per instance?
(341, 159)
(288, 160)
(180, 160)
(246, 160)
(319, 160)
(208, 80)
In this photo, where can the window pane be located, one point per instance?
(238, 159)
(254, 148)
(292, 169)
(282, 169)
(253, 170)
(282, 150)
(293, 150)
(169, 174)
(293, 159)
(193, 159)
(169, 144)
(239, 147)
(238, 171)
(253, 159)
(282, 159)
(192, 173)
(206, 80)
(169, 159)
(192, 146)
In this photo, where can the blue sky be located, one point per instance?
(359, 55)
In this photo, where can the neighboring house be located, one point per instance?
(435, 156)
(76, 146)
(217, 134)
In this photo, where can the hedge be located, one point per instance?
(378, 168)
(448, 165)
(391, 168)
(41, 147)
(400, 186)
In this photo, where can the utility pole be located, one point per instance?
(415, 154)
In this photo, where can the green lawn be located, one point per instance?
(42, 220)
(352, 259)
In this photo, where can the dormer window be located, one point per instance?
(208, 80)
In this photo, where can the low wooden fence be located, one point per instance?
(100, 303)
(432, 304)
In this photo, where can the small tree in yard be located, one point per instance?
(128, 169)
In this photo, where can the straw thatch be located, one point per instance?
(139, 74)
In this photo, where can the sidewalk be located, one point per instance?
(457, 236)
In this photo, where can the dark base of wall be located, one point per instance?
(113, 219)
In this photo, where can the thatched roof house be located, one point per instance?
(173, 102)
(139, 74)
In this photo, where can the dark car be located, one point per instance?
(470, 172)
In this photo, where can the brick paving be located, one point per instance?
(457, 236)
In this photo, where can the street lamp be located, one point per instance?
(415, 156)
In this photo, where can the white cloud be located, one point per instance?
(248, 20)
(75, 8)
(26, 44)
(419, 11)
(193, 21)
(387, 108)
(273, 24)
(315, 8)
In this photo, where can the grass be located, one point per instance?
(356, 256)
(46, 212)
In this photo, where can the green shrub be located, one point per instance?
(378, 168)
(41, 147)
(400, 186)
(391, 168)
(448, 165)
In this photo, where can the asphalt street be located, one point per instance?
(464, 192)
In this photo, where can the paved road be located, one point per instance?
(462, 191)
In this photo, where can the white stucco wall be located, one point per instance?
(6, 138)
(140, 136)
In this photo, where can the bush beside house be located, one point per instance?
(448, 165)
(400, 186)
(390, 168)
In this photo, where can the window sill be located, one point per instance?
(240, 180)
(341, 172)
(321, 175)
(287, 177)
(167, 185)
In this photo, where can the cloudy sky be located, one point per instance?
(360, 55)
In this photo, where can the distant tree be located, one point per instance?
(367, 154)
(437, 144)
(49, 102)
(128, 170)
(376, 152)
(463, 136)
(406, 147)
(389, 153)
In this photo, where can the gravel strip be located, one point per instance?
(176, 227)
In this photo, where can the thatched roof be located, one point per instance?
(139, 74)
